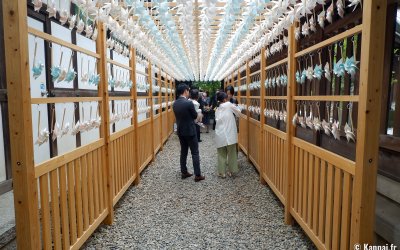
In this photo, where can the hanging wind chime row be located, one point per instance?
(57, 131)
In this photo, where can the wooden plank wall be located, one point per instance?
(60, 202)
(329, 190)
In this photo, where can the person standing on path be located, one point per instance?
(185, 115)
(226, 135)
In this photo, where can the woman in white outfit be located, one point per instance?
(226, 135)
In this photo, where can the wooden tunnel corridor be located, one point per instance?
(166, 212)
(89, 153)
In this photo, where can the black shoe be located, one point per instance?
(199, 178)
(186, 175)
(200, 140)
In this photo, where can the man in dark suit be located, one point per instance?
(185, 115)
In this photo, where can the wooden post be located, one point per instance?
(166, 80)
(135, 115)
(262, 118)
(160, 108)
(371, 73)
(290, 129)
(238, 85)
(151, 110)
(20, 115)
(105, 114)
(248, 81)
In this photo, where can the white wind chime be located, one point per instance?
(270, 32)
(59, 130)
(131, 25)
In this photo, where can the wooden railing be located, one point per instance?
(329, 190)
(61, 201)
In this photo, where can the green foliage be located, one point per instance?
(211, 87)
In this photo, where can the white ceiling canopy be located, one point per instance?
(201, 39)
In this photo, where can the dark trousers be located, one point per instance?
(198, 132)
(192, 143)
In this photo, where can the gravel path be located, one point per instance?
(166, 212)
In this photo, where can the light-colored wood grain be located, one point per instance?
(346, 210)
(61, 42)
(310, 189)
(90, 186)
(316, 194)
(56, 162)
(85, 193)
(290, 173)
(64, 100)
(340, 162)
(332, 98)
(329, 207)
(338, 37)
(337, 209)
(81, 240)
(71, 202)
(78, 195)
(20, 119)
(371, 68)
(55, 209)
(105, 125)
(64, 207)
(45, 211)
(96, 184)
(322, 202)
(278, 63)
(121, 65)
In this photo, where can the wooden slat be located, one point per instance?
(278, 63)
(85, 194)
(55, 209)
(64, 100)
(64, 207)
(296, 179)
(61, 42)
(337, 209)
(269, 97)
(96, 184)
(120, 98)
(340, 162)
(90, 186)
(332, 98)
(45, 211)
(329, 207)
(275, 132)
(322, 202)
(101, 179)
(55, 162)
(118, 64)
(346, 209)
(310, 189)
(338, 37)
(301, 180)
(305, 185)
(90, 231)
(316, 193)
(71, 202)
(78, 190)
(318, 243)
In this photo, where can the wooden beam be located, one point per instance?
(262, 149)
(105, 126)
(290, 129)
(248, 81)
(20, 117)
(135, 116)
(371, 73)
